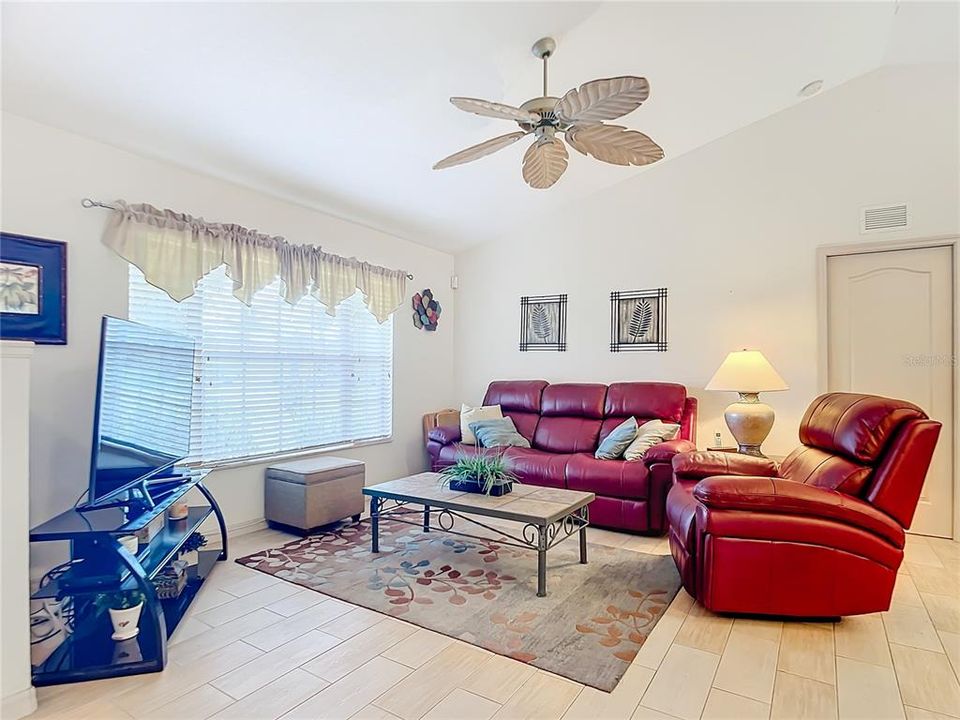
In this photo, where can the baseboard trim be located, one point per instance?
(19, 704)
(209, 528)
(245, 528)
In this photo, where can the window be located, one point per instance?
(276, 377)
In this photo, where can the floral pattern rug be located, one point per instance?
(589, 627)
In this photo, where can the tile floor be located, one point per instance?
(257, 647)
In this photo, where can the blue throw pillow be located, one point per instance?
(498, 433)
(618, 440)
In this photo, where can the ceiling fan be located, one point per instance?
(579, 115)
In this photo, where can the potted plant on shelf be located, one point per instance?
(125, 607)
(189, 551)
(485, 472)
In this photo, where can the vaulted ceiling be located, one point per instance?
(345, 106)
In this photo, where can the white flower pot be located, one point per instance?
(130, 543)
(126, 622)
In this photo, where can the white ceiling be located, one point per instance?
(344, 106)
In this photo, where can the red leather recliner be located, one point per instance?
(820, 534)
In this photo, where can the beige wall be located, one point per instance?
(731, 230)
(46, 172)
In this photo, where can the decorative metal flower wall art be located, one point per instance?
(426, 310)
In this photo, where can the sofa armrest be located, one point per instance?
(665, 451)
(787, 497)
(703, 464)
(445, 434)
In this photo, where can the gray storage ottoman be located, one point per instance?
(308, 493)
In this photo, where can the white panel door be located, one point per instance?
(890, 332)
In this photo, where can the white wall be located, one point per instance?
(731, 230)
(46, 172)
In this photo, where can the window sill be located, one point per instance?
(291, 455)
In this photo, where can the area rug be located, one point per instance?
(589, 627)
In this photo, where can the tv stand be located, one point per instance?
(101, 565)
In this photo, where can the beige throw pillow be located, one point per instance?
(473, 414)
(649, 434)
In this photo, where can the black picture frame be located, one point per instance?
(638, 320)
(33, 289)
(543, 323)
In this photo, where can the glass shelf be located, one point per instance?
(152, 558)
(89, 652)
(100, 565)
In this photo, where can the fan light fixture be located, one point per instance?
(579, 115)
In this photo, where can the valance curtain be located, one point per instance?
(175, 250)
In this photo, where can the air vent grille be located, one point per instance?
(884, 217)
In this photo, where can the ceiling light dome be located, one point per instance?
(810, 89)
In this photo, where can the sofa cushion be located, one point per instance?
(757, 495)
(645, 401)
(812, 466)
(519, 400)
(619, 440)
(473, 414)
(615, 478)
(536, 467)
(652, 432)
(566, 434)
(573, 399)
(521, 395)
(526, 423)
(498, 433)
(859, 426)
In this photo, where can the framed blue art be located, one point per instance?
(33, 289)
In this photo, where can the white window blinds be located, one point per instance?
(276, 377)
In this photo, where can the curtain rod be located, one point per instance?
(88, 203)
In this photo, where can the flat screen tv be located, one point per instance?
(141, 424)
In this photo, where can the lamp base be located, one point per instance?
(750, 422)
(750, 450)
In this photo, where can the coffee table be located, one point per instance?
(547, 516)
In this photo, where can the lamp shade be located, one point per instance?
(746, 371)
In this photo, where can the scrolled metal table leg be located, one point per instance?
(584, 516)
(426, 518)
(375, 524)
(541, 561)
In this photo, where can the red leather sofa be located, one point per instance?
(565, 422)
(820, 534)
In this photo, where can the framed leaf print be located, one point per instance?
(33, 289)
(638, 320)
(543, 323)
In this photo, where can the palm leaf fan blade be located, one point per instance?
(475, 152)
(614, 144)
(604, 99)
(487, 108)
(544, 162)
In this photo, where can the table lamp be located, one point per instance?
(749, 373)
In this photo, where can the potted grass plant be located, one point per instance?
(486, 472)
(125, 607)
